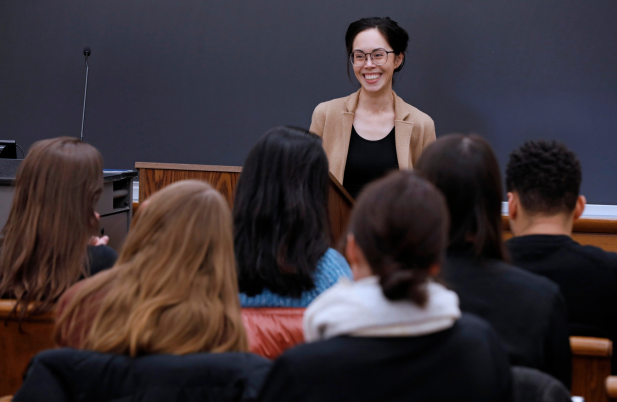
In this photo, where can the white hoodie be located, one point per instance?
(361, 309)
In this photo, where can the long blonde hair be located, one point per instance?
(174, 288)
(44, 242)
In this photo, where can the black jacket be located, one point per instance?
(463, 363)
(527, 310)
(531, 385)
(75, 375)
(587, 277)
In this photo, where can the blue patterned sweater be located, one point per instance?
(330, 268)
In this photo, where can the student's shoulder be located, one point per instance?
(333, 258)
(594, 254)
(470, 326)
(528, 280)
(330, 268)
(332, 106)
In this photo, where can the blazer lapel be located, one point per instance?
(348, 115)
(402, 133)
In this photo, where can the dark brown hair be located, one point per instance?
(466, 171)
(281, 226)
(401, 225)
(44, 242)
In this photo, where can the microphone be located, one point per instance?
(87, 53)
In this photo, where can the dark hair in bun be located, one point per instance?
(401, 225)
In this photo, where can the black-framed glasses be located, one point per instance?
(379, 57)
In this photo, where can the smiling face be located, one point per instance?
(372, 77)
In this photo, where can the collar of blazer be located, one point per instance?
(403, 127)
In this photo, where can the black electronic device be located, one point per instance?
(8, 149)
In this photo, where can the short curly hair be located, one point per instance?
(546, 176)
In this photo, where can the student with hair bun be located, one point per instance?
(395, 334)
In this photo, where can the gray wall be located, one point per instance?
(192, 81)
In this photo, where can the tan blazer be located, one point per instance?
(333, 120)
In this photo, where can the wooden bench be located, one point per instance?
(18, 347)
(591, 367)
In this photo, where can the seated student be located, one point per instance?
(173, 291)
(47, 243)
(527, 310)
(282, 235)
(394, 334)
(543, 180)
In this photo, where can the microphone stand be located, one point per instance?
(83, 113)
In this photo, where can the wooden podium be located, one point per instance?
(155, 176)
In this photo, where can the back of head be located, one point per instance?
(52, 218)
(546, 176)
(466, 171)
(401, 224)
(174, 288)
(281, 226)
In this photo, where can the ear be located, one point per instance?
(351, 250)
(581, 201)
(434, 269)
(512, 206)
(398, 60)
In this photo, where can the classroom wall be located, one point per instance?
(191, 81)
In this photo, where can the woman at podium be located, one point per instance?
(372, 131)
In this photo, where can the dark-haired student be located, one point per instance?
(47, 243)
(372, 131)
(394, 334)
(543, 180)
(527, 310)
(282, 232)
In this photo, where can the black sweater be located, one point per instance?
(527, 310)
(465, 362)
(586, 275)
(68, 375)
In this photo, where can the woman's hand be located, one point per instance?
(99, 241)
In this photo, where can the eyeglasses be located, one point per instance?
(379, 57)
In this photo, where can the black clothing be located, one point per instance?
(101, 258)
(368, 161)
(587, 277)
(527, 310)
(63, 375)
(531, 385)
(465, 362)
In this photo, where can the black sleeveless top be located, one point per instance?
(368, 161)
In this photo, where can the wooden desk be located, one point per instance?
(155, 176)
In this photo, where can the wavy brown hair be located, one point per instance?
(44, 242)
(174, 288)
